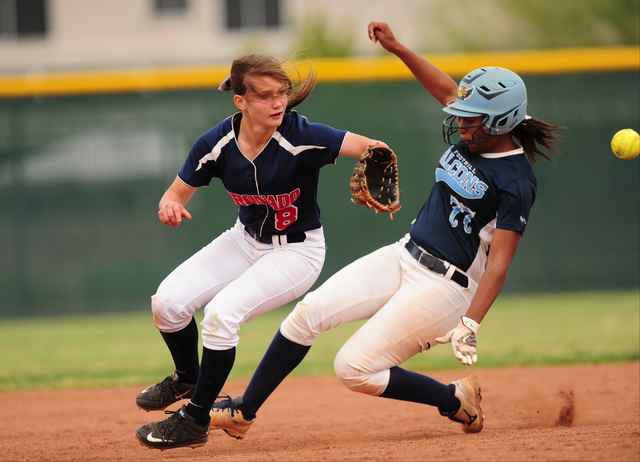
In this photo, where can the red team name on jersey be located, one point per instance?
(275, 202)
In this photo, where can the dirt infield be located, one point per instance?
(575, 413)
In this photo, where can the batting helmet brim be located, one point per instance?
(450, 109)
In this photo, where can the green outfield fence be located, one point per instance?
(84, 159)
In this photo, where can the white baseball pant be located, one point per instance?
(236, 279)
(406, 304)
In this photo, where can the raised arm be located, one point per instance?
(442, 87)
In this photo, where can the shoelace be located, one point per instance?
(168, 427)
(166, 388)
(227, 403)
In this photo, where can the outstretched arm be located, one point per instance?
(354, 145)
(442, 87)
(503, 248)
(463, 337)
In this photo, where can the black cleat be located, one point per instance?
(178, 431)
(163, 394)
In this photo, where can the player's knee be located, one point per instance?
(166, 317)
(219, 328)
(157, 309)
(300, 326)
(216, 338)
(354, 377)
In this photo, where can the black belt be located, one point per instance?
(291, 238)
(434, 264)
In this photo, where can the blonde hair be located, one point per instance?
(248, 66)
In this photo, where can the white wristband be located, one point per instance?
(471, 324)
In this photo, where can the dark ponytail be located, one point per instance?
(533, 134)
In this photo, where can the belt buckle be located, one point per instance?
(429, 261)
(423, 258)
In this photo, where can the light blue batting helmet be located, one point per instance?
(493, 92)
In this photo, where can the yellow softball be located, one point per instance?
(626, 144)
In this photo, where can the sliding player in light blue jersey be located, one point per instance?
(436, 284)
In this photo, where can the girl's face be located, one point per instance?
(470, 129)
(478, 140)
(265, 103)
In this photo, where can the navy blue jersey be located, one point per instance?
(277, 191)
(474, 194)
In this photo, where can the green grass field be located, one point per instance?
(126, 349)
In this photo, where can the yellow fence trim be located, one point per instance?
(111, 81)
(330, 70)
(526, 62)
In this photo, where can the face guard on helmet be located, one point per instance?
(496, 94)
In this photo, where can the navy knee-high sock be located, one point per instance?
(214, 370)
(183, 346)
(280, 359)
(410, 386)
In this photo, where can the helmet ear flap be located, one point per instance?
(505, 122)
(502, 122)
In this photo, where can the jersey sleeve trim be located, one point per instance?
(344, 139)
(295, 150)
(215, 152)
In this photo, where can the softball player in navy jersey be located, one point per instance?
(436, 284)
(268, 158)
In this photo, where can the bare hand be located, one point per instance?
(380, 32)
(172, 214)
